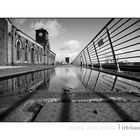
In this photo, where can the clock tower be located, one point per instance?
(42, 39)
(42, 36)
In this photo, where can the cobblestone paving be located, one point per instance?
(89, 107)
(79, 107)
(85, 112)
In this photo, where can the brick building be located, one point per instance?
(17, 48)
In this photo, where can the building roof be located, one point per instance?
(42, 29)
(28, 37)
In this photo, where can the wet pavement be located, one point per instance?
(88, 112)
(69, 94)
(7, 72)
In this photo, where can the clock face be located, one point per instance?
(40, 34)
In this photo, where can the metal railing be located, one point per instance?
(116, 46)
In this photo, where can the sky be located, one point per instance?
(67, 36)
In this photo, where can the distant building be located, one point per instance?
(67, 59)
(17, 48)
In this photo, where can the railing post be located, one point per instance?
(76, 60)
(97, 55)
(89, 56)
(113, 52)
(82, 60)
(89, 77)
(96, 81)
(114, 83)
(84, 78)
(79, 60)
(85, 58)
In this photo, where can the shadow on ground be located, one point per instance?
(65, 112)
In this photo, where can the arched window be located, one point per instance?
(32, 55)
(26, 55)
(37, 52)
(18, 48)
(37, 56)
(41, 55)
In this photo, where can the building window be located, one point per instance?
(18, 46)
(40, 57)
(37, 56)
(26, 53)
(37, 52)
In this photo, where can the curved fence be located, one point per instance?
(116, 46)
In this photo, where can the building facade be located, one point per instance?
(67, 60)
(17, 48)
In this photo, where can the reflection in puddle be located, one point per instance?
(65, 77)
(102, 82)
(78, 83)
(73, 78)
(18, 86)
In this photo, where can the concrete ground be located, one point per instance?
(89, 112)
(9, 71)
(42, 106)
(90, 107)
(8, 67)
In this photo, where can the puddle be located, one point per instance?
(66, 84)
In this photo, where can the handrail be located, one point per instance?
(98, 33)
(114, 42)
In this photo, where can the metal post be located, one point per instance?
(97, 56)
(89, 56)
(84, 78)
(113, 52)
(96, 81)
(89, 77)
(79, 60)
(76, 60)
(114, 83)
(85, 57)
(82, 59)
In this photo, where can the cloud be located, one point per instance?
(19, 22)
(52, 26)
(69, 49)
(70, 45)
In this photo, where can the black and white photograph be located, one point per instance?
(57, 70)
(76, 71)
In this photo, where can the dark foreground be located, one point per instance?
(67, 94)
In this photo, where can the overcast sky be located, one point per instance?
(67, 36)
